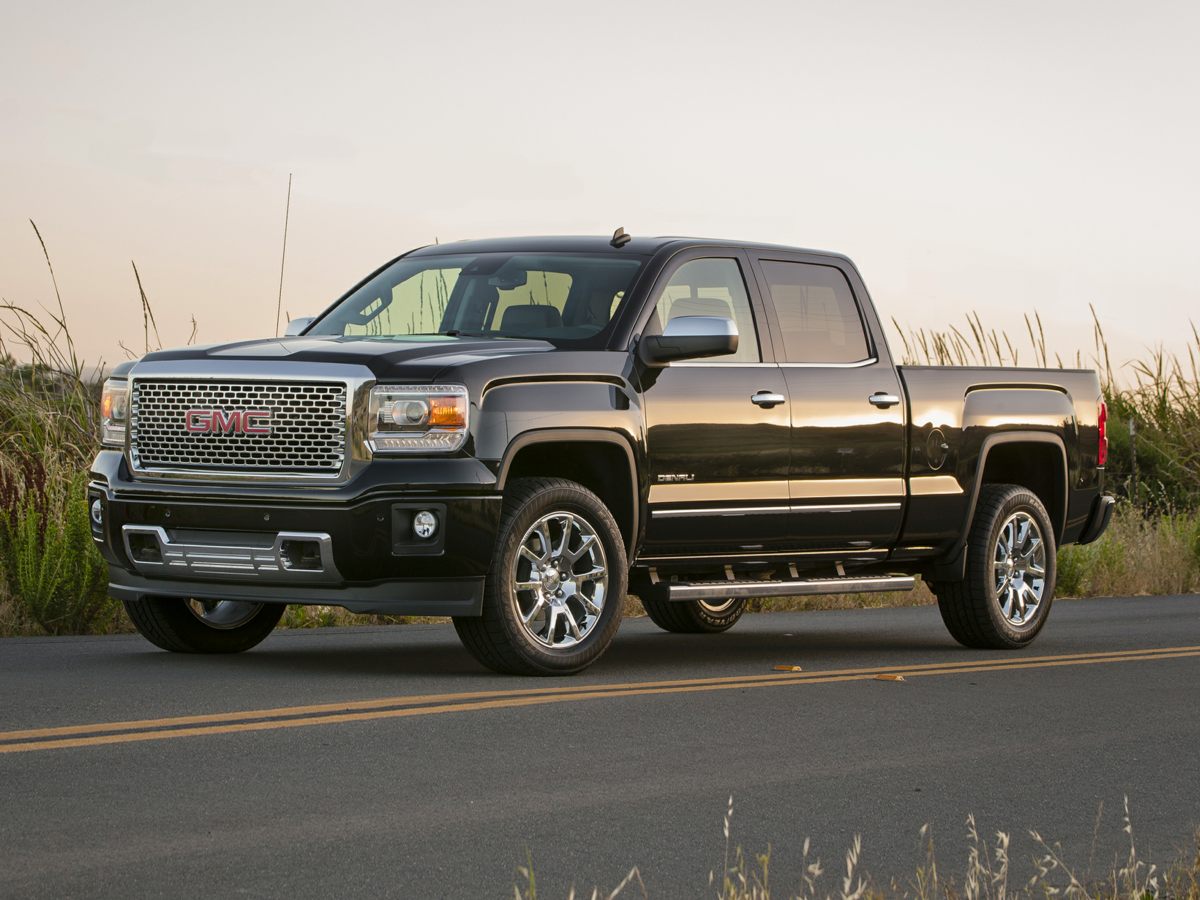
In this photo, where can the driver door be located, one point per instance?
(717, 429)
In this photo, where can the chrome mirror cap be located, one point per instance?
(700, 326)
(690, 337)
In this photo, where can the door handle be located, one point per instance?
(882, 400)
(767, 399)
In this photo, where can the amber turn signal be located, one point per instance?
(447, 412)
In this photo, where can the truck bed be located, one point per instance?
(955, 412)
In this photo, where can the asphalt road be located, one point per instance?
(358, 766)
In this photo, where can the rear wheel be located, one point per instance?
(695, 616)
(552, 601)
(1005, 599)
(203, 626)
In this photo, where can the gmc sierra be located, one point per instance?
(516, 432)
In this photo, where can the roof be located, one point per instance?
(638, 246)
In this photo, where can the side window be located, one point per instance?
(710, 287)
(817, 313)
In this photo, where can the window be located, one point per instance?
(710, 287)
(817, 313)
(544, 289)
(417, 305)
(568, 300)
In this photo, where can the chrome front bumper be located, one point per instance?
(288, 556)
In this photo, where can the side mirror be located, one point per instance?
(690, 337)
(296, 326)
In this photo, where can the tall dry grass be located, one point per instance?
(988, 871)
(1141, 553)
(52, 579)
(1153, 402)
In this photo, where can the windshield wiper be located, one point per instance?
(454, 332)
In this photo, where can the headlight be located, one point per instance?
(417, 418)
(114, 412)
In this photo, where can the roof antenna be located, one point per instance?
(620, 238)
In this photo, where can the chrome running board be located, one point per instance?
(709, 590)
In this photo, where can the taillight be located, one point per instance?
(1102, 434)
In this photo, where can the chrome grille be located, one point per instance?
(307, 426)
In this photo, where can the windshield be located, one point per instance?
(549, 296)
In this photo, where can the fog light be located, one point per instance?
(97, 513)
(144, 547)
(425, 524)
(300, 556)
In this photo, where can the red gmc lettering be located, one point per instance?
(256, 421)
(218, 421)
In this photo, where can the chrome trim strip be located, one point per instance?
(180, 559)
(719, 589)
(842, 507)
(232, 475)
(833, 488)
(847, 553)
(862, 363)
(933, 485)
(715, 492)
(767, 510)
(778, 365)
(719, 511)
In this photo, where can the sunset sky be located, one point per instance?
(1003, 158)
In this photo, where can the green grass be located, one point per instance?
(50, 562)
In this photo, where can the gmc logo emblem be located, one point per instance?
(235, 421)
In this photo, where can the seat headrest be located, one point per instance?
(527, 316)
(700, 306)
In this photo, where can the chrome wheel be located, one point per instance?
(716, 607)
(223, 614)
(1019, 567)
(560, 580)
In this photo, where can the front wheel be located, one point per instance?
(695, 616)
(203, 626)
(552, 601)
(1004, 600)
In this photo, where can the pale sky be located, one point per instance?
(1003, 158)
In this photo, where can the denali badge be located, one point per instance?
(218, 421)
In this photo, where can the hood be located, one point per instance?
(404, 357)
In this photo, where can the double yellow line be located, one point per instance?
(102, 733)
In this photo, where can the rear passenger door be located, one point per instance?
(846, 480)
(717, 430)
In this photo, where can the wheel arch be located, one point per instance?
(602, 461)
(1005, 458)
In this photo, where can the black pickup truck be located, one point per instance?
(515, 433)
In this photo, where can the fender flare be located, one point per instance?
(953, 566)
(580, 436)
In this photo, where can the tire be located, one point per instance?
(189, 626)
(695, 616)
(991, 607)
(534, 520)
